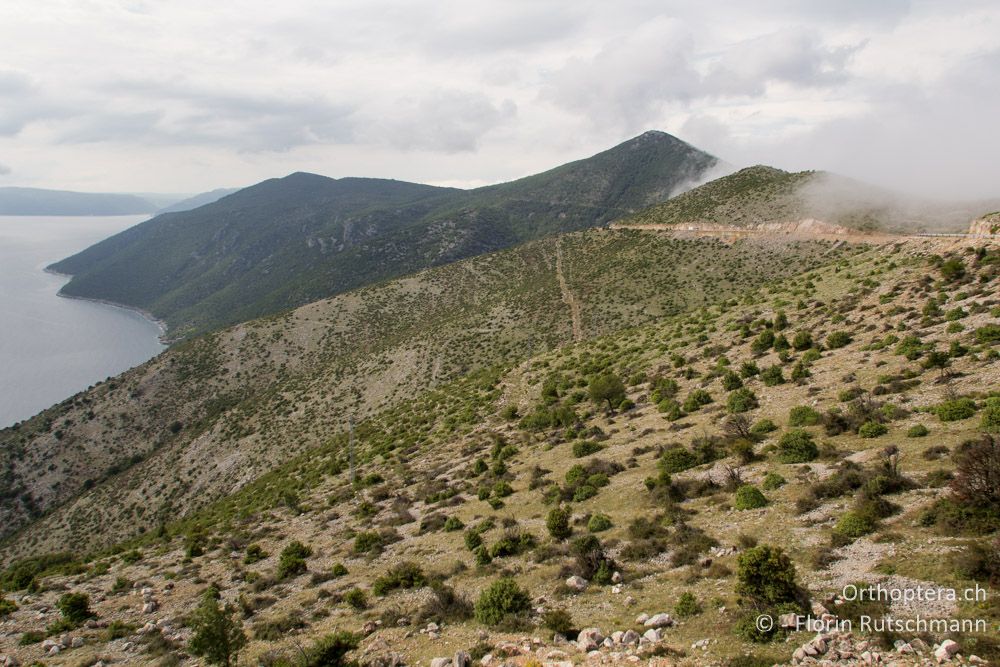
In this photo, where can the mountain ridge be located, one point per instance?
(295, 242)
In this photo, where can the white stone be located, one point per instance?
(945, 650)
(630, 638)
(76, 642)
(653, 635)
(589, 639)
(616, 578)
(659, 621)
(578, 584)
(641, 618)
(461, 659)
(441, 662)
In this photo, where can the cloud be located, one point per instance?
(4, 169)
(446, 120)
(143, 95)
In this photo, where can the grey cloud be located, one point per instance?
(626, 82)
(791, 56)
(448, 121)
(187, 115)
(4, 169)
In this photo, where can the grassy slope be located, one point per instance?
(248, 397)
(427, 445)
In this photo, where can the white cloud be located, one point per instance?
(183, 96)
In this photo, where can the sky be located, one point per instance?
(187, 96)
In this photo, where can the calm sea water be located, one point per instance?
(52, 347)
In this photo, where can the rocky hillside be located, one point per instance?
(645, 495)
(212, 414)
(290, 241)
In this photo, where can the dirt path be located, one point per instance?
(575, 311)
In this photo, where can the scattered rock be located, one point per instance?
(945, 650)
(578, 584)
(616, 578)
(589, 639)
(652, 636)
(659, 621)
(441, 662)
(461, 659)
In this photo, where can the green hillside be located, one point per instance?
(816, 418)
(210, 414)
(290, 241)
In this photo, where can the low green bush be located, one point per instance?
(749, 497)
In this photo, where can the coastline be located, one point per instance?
(160, 324)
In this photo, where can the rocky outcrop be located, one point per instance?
(988, 225)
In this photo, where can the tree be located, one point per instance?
(558, 523)
(607, 387)
(218, 636)
(766, 577)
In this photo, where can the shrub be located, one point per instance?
(772, 481)
(696, 399)
(797, 446)
(838, 339)
(872, 430)
(731, 381)
(979, 561)
(558, 523)
(854, 524)
(748, 369)
(917, 431)
(292, 561)
(452, 524)
(217, 635)
(254, 554)
(590, 561)
(763, 427)
(677, 459)
(401, 576)
(330, 650)
(749, 497)
(803, 340)
(75, 608)
(988, 334)
(741, 400)
(977, 473)
(803, 415)
(339, 570)
(583, 448)
(772, 376)
(501, 600)
(687, 605)
(599, 523)
(956, 409)
(6, 606)
(356, 598)
(512, 543)
(766, 577)
(991, 416)
(670, 408)
(559, 622)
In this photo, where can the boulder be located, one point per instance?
(658, 621)
(616, 577)
(441, 662)
(578, 584)
(589, 639)
(630, 638)
(641, 618)
(76, 642)
(653, 635)
(9, 661)
(945, 650)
